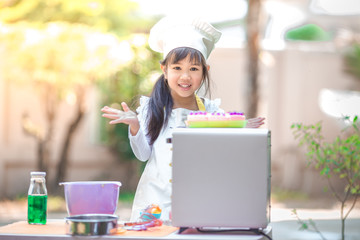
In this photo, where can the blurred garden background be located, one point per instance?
(293, 62)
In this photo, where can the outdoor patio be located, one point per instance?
(299, 81)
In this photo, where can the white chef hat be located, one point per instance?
(170, 33)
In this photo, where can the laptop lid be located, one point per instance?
(221, 177)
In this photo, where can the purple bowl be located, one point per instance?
(99, 197)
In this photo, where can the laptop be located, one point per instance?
(221, 178)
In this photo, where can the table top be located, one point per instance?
(56, 229)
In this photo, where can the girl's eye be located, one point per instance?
(194, 69)
(176, 68)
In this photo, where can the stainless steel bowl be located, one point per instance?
(91, 224)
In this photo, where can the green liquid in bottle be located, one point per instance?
(37, 206)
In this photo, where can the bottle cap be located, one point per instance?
(43, 174)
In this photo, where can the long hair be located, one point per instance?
(161, 102)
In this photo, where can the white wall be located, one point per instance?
(290, 80)
(290, 84)
(228, 73)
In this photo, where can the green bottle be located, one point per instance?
(37, 199)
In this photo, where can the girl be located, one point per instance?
(186, 45)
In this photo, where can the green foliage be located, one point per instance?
(58, 51)
(130, 81)
(118, 16)
(307, 225)
(340, 158)
(56, 204)
(308, 32)
(281, 195)
(74, 44)
(126, 196)
(352, 60)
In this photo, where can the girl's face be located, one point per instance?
(184, 77)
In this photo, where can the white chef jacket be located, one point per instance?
(155, 183)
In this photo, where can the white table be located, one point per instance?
(191, 234)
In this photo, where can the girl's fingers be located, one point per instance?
(110, 110)
(117, 116)
(116, 121)
(259, 119)
(126, 117)
(255, 122)
(125, 107)
(111, 116)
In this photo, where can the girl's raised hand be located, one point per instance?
(255, 122)
(117, 116)
(127, 116)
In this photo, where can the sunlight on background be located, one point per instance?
(213, 11)
(231, 11)
(339, 103)
(281, 17)
(336, 7)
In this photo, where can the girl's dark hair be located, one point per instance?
(161, 102)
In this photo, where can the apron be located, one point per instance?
(155, 183)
